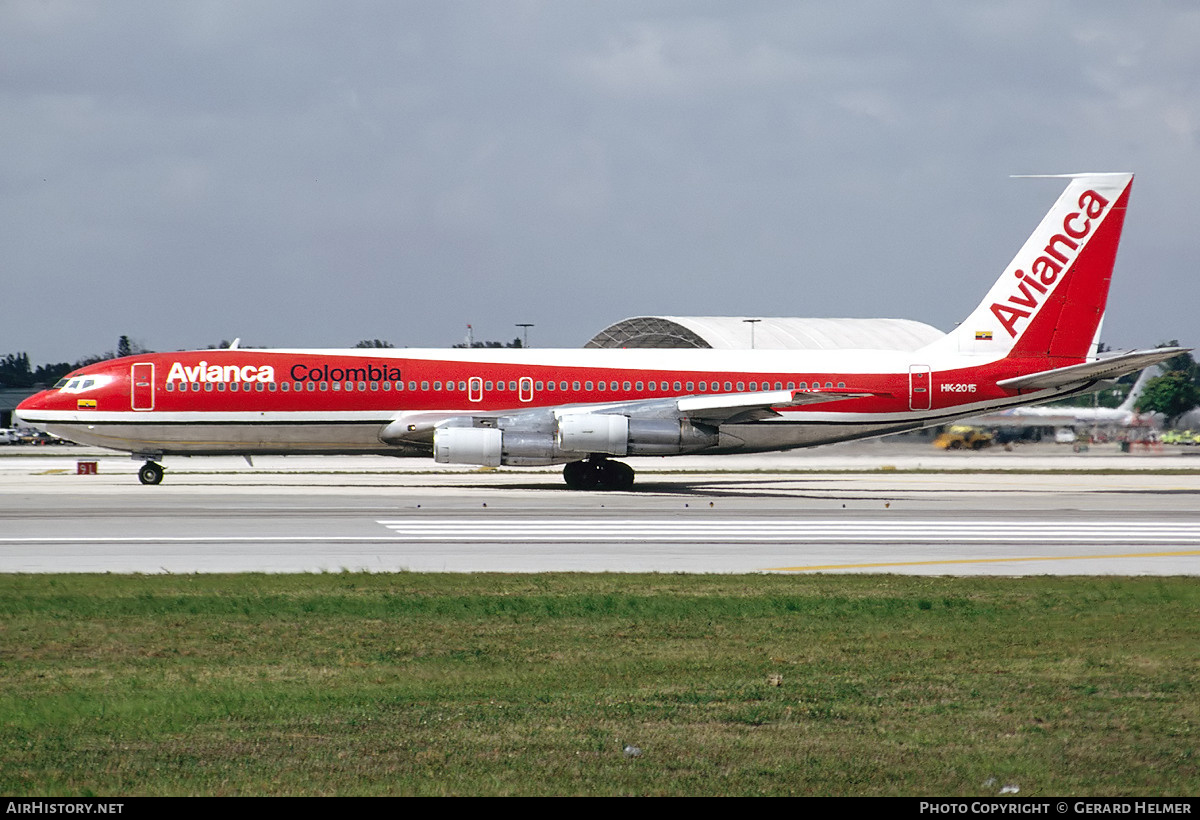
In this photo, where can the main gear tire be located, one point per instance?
(150, 473)
(598, 474)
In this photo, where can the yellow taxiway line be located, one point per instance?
(877, 565)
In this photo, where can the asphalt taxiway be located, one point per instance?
(1040, 511)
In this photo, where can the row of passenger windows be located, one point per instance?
(489, 386)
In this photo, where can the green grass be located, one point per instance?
(532, 684)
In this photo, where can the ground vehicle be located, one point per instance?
(1065, 435)
(963, 437)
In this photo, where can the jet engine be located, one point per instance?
(576, 436)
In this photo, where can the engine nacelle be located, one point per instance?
(667, 437)
(617, 435)
(491, 447)
(468, 445)
(594, 433)
(524, 448)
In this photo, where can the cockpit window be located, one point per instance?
(83, 384)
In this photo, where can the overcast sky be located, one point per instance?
(309, 174)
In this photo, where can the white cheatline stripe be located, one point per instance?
(760, 530)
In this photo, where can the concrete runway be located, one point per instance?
(1140, 516)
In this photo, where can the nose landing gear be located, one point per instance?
(598, 473)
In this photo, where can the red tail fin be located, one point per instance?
(1067, 322)
(1050, 300)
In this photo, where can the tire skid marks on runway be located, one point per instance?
(652, 530)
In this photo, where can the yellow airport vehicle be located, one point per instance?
(963, 437)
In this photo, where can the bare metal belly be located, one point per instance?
(761, 437)
(347, 437)
(362, 437)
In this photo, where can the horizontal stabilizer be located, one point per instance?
(1107, 368)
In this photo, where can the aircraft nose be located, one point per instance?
(29, 403)
(26, 412)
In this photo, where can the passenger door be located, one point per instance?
(920, 387)
(141, 386)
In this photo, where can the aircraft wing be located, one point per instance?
(1091, 371)
(748, 406)
(418, 427)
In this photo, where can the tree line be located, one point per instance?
(1176, 391)
(16, 369)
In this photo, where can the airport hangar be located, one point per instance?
(765, 333)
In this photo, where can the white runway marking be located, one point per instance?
(743, 531)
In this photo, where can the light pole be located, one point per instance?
(752, 323)
(525, 326)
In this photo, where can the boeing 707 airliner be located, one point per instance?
(1033, 338)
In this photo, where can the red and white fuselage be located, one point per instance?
(339, 401)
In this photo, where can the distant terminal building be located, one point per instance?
(768, 333)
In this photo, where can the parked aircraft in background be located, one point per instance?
(1032, 338)
(1121, 416)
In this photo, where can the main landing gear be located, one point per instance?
(150, 473)
(598, 473)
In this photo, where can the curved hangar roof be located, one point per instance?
(733, 332)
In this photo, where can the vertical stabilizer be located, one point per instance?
(1050, 300)
(1138, 388)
